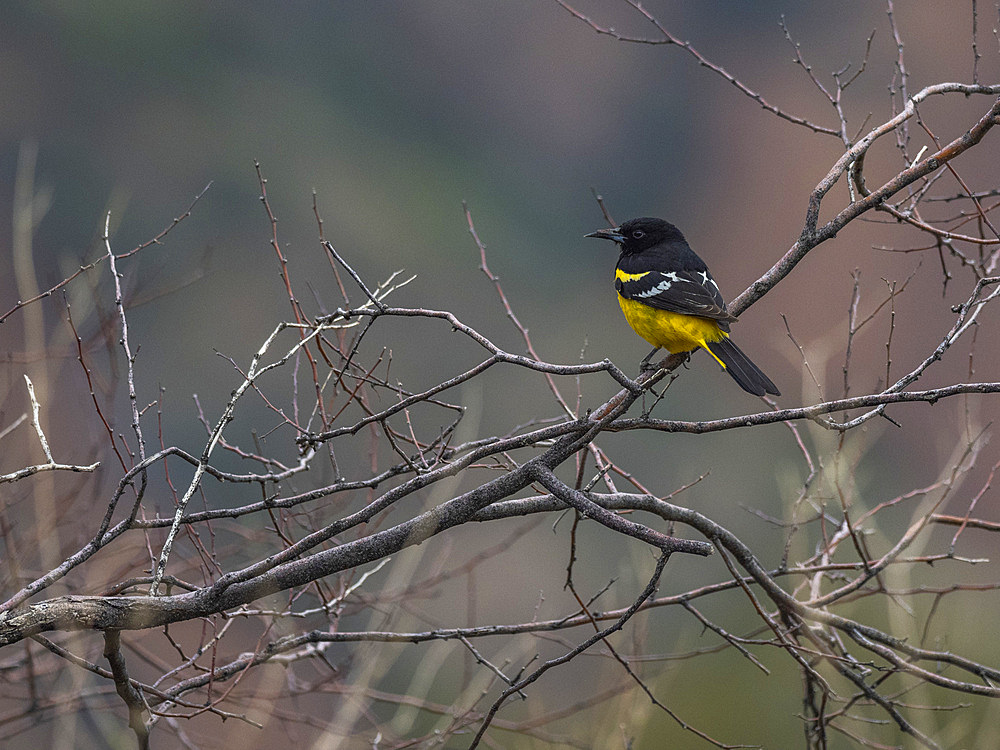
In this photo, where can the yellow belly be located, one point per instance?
(671, 331)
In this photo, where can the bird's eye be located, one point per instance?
(638, 234)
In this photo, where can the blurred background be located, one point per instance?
(393, 114)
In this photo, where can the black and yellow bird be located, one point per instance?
(671, 300)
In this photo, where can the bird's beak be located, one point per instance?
(614, 234)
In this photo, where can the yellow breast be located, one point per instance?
(672, 331)
(667, 330)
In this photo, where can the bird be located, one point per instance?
(670, 299)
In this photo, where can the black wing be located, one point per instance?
(686, 291)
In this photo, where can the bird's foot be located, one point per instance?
(645, 365)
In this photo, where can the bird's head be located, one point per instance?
(636, 235)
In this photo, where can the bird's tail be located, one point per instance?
(744, 372)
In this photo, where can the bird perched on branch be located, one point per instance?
(671, 300)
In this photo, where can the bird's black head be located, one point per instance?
(636, 235)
